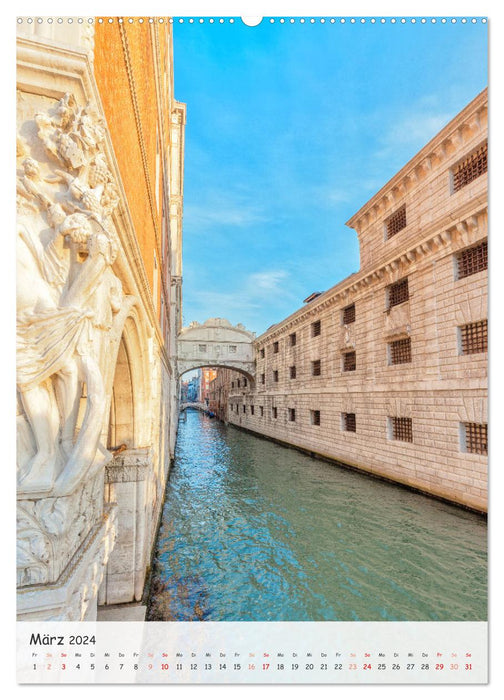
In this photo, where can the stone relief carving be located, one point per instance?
(67, 295)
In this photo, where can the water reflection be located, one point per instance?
(255, 531)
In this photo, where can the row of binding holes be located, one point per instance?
(272, 20)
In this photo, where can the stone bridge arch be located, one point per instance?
(216, 343)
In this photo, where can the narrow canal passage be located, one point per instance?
(255, 531)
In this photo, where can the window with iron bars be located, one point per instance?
(349, 422)
(396, 222)
(275, 375)
(398, 293)
(316, 368)
(401, 429)
(292, 414)
(315, 328)
(252, 409)
(292, 339)
(244, 408)
(349, 361)
(263, 378)
(400, 351)
(261, 411)
(474, 337)
(470, 168)
(274, 411)
(262, 353)
(315, 417)
(476, 438)
(292, 371)
(349, 315)
(275, 346)
(472, 260)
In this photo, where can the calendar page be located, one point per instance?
(252, 349)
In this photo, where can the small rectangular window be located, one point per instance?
(315, 328)
(315, 417)
(474, 337)
(316, 368)
(349, 361)
(238, 383)
(472, 260)
(349, 315)
(349, 423)
(274, 411)
(201, 348)
(292, 414)
(396, 222)
(292, 339)
(401, 429)
(275, 375)
(232, 385)
(470, 168)
(244, 381)
(263, 378)
(400, 351)
(292, 372)
(262, 353)
(232, 349)
(252, 409)
(275, 346)
(476, 438)
(398, 293)
(244, 409)
(261, 411)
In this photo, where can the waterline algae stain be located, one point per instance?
(255, 531)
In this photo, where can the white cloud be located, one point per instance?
(215, 211)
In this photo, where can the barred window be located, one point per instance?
(238, 383)
(292, 371)
(201, 348)
(292, 339)
(275, 346)
(400, 351)
(349, 314)
(401, 429)
(398, 293)
(262, 353)
(292, 414)
(474, 337)
(316, 368)
(315, 417)
(470, 168)
(349, 422)
(244, 408)
(476, 438)
(252, 409)
(472, 260)
(315, 328)
(396, 222)
(261, 410)
(232, 385)
(244, 381)
(274, 411)
(263, 378)
(275, 375)
(232, 349)
(349, 361)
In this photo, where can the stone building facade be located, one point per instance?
(387, 371)
(100, 142)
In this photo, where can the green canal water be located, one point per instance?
(255, 531)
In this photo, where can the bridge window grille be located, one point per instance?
(396, 222)
(232, 349)
(275, 346)
(202, 348)
(349, 315)
(292, 414)
(275, 375)
(316, 368)
(472, 260)
(349, 361)
(401, 429)
(315, 328)
(476, 438)
(400, 351)
(292, 371)
(263, 378)
(398, 293)
(474, 337)
(292, 339)
(315, 417)
(261, 411)
(262, 353)
(349, 422)
(274, 411)
(470, 168)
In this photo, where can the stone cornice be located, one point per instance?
(345, 292)
(431, 156)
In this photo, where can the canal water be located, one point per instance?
(255, 531)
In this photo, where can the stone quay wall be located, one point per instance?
(387, 371)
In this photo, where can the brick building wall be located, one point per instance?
(396, 385)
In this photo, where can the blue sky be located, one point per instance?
(291, 128)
